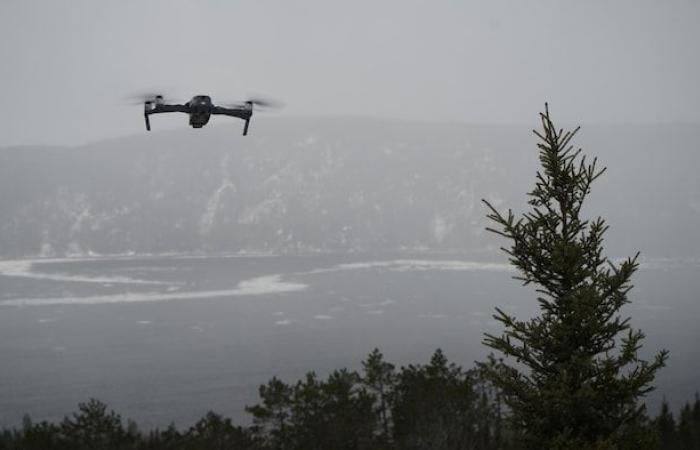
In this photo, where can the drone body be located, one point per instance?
(199, 108)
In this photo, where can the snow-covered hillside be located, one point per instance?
(334, 184)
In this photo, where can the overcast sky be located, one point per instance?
(67, 65)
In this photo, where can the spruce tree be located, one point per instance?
(686, 438)
(95, 427)
(379, 379)
(578, 378)
(437, 406)
(665, 427)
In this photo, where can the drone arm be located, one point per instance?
(150, 108)
(241, 113)
(162, 108)
(244, 113)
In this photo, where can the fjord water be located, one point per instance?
(133, 332)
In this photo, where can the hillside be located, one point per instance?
(333, 184)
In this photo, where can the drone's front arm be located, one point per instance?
(167, 108)
(150, 108)
(242, 113)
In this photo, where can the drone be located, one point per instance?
(200, 108)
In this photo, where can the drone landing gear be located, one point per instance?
(148, 122)
(245, 127)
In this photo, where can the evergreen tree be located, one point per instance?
(665, 427)
(93, 427)
(695, 418)
(436, 406)
(40, 436)
(379, 379)
(170, 439)
(315, 414)
(688, 431)
(214, 432)
(579, 378)
(272, 418)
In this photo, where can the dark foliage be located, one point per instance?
(315, 414)
(683, 434)
(433, 406)
(579, 379)
(439, 406)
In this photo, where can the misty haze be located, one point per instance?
(172, 272)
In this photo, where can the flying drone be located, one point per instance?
(200, 108)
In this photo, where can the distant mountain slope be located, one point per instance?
(334, 184)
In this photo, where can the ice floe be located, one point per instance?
(270, 284)
(27, 268)
(405, 265)
(323, 317)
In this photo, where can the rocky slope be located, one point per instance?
(333, 184)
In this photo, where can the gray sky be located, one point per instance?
(67, 65)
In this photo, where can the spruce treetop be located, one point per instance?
(579, 378)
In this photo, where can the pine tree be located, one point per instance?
(685, 428)
(272, 418)
(578, 379)
(215, 432)
(436, 406)
(696, 421)
(95, 427)
(666, 427)
(379, 379)
(315, 414)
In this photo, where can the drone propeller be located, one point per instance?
(140, 98)
(260, 102)
(265, 102)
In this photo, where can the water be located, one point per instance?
(165, 339)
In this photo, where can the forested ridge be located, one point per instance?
(437, 405)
